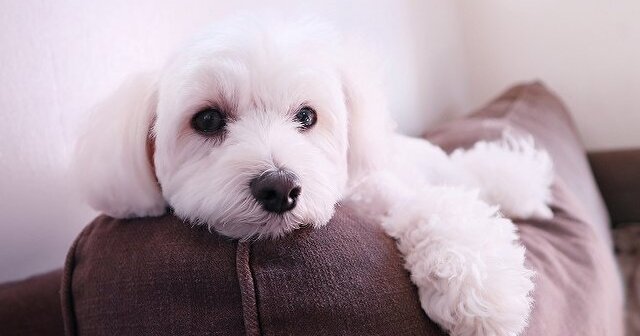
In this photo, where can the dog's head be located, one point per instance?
(254, 129)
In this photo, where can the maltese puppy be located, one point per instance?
(258, 128)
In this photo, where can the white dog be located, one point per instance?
(256, 129)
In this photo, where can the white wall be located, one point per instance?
(586, 50)
(58, 58)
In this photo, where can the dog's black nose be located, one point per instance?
(276, 190)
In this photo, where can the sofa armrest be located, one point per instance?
(618, 176)
(32, 306)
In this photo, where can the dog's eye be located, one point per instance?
(307, 117)
(208, 121)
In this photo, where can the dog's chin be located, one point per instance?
(265, 226)
(245, 219)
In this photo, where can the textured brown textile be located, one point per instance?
(618, 176)
(151, 276)
(32, 306)
(348, 280)
(159, 276)
(247, 290)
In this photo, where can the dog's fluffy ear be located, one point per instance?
(111, 163)
(369, 122)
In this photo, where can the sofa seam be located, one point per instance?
(66, 290)
(522, 94)
(248, 291)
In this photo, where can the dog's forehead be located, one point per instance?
(240, 68)
(264, 46)
(268, 67)
(268, 58)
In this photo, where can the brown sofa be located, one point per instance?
(160, 276)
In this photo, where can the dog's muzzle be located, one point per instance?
(276, 190)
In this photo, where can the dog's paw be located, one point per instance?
(465, 260)
(513, 174)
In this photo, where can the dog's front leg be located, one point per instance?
(465, 260)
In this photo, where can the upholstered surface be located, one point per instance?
(157, 276)
(618, 176)
(534, 109)
(627, 241)
(32, 306)
(578, 287)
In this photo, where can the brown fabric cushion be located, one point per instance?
(160, 276)
(32, 306)
(578, 287)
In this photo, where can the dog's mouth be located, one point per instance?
(261, 225)
(241, 216)
(284, 222)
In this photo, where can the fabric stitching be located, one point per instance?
(517, 101)
(66, 290)
(247, 290)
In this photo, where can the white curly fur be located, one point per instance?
(466, 261)
(443, 209)
(463, 255)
